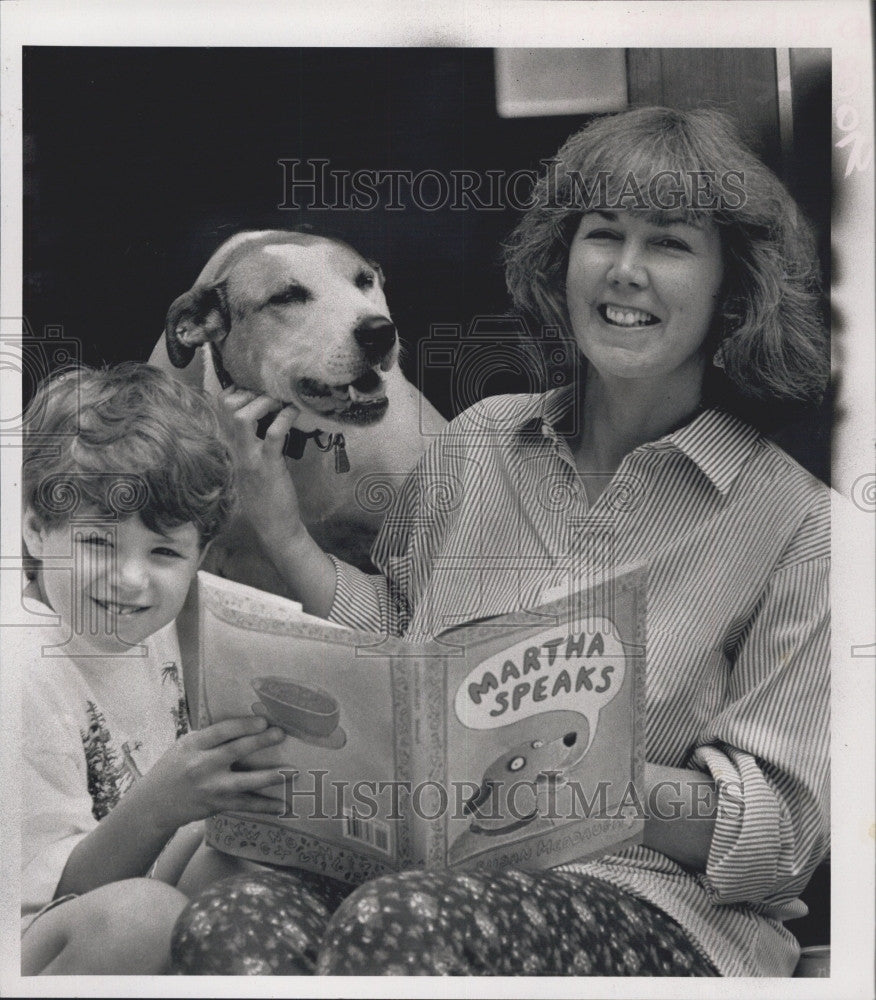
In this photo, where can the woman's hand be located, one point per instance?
(682, 822)
(268, 497)
(266, 490)
(197, 778)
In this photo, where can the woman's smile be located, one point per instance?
(625, 316)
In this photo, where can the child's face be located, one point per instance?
(127, 581)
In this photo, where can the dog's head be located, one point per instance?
(295, 316)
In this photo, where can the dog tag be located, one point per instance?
(342, 463)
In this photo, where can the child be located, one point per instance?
(126, 481)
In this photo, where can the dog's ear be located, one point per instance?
(200, 316)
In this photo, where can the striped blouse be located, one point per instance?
(735, 536)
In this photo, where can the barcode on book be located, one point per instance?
(372, 832)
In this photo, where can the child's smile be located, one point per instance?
(114, 608)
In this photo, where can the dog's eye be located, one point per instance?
(366, 279)
(294, 293)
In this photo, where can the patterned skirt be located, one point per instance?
(430, 923)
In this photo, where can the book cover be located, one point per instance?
(514, 741)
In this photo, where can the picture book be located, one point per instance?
(513, 741)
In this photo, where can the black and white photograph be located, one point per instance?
(437, 498)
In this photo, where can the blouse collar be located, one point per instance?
(716, 441)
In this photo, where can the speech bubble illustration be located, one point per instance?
(581, 671)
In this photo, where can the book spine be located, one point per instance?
(189, 633)
(430, 798)
(404, 707)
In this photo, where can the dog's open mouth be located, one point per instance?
(362, 401)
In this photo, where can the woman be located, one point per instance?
(682, 271)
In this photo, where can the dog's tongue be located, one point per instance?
(364, 388)
(366, 384)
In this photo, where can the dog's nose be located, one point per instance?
(375, 335)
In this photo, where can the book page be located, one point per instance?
(338, 709)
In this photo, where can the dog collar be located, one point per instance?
(296, 440)
(222, 375)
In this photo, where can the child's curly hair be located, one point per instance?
(126, 440)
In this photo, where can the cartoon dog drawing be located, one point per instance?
(303, 318)
(513, 794)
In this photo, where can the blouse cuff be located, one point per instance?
(356, 603)
(752, 849)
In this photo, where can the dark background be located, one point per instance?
(139, 162)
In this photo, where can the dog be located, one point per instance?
(303, 318)
(500, 807)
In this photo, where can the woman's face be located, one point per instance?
(641, 292)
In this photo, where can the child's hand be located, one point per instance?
(196, 777)
(266, 491)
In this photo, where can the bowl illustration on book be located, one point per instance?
(308, 714)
